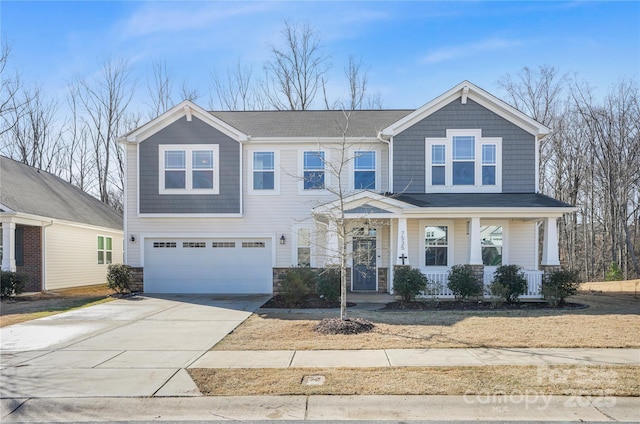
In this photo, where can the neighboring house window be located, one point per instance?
(19, 246)
(189, 169)
(436, 245)
(464, 160)
(491, 239)
(364, 177)
(264, 171)
(105, 250)
(303, 247)
(313, 171)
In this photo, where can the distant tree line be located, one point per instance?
(591, 159)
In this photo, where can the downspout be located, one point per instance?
(44, 255)
(390, 160)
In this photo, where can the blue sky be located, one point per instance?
(415, 50)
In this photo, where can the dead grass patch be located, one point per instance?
(37, 305)
(610, 321)
(554, 380)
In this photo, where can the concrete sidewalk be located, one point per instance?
(529, 407)
(415, 358)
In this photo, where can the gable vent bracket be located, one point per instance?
(465, 93)
(187, 111)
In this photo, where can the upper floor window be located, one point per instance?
(364, 175)
(464, 160)
(264, 171)
(189, 169)
(313, 170)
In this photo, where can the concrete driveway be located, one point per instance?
(138, 346)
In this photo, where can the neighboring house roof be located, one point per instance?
(28, 190)
(480, 200)
(311, 123)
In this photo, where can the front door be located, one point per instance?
(364, 259)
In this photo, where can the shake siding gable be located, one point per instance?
(518, 147)
(194, 132)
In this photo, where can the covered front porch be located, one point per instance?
(433, 239)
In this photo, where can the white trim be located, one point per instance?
(476, 94)
(276, 172)
(294, 244)
(350, 253)
(6, 209)
(537, 165)
(125, 220)
(327, 174)
(190, 215)
(185, 108)
(312, 140)
(390, 166)
(377, 170)
(188, 150)
(480, 141)
(504, 223)
(449, 223)
(39, 221)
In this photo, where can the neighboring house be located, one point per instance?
(54, 232)
(222, 202)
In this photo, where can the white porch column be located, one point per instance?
(333, 250)
(402, 251)
(550, 253)
(475, 245)
(8, 246)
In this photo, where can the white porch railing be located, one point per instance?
(438, 284)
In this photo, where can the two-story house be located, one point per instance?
(222, 202)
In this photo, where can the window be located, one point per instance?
(491, 240)
(437, 164)
(436, 245)
(303, 247)
(105, 250)
(253, 244)
(263, 170)
(313, 171)
(164, 244)
(223, 244)
(193, 244)
(462, 161)
(364, 171)
(189, 169)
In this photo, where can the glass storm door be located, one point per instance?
(364, 259)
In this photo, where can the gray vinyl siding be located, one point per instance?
(194, 132)
(518, 147)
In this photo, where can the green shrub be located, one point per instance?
(119, 278)
(508, 283)
(614, 273)
(463, 283)
(12, 283)
(409, 282)
(297, 284)
(559, 285)
(328, 287)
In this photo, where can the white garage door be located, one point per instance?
(207, 265)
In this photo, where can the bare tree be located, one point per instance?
(10, 108)
(294, 73)
(104, 100)
(160, 89)
(235, 90)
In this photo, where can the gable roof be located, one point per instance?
(466, 90)
(31, 191)
(311, 123)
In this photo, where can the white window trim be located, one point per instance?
(276, 173)
(294, 244)
(352, 170)
(450, 243)
(189, 148)
(104, 250)
(505, 239)
(327, 176)
(448, 186)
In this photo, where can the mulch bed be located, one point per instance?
(473, 306)
(346, 326)
(278, 302)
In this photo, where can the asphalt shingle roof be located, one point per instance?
(28, 190)
(480, 200)
(311, 123)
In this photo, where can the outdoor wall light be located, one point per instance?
(282, 239)
(133, 238)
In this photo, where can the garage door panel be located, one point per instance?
(208, 266)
